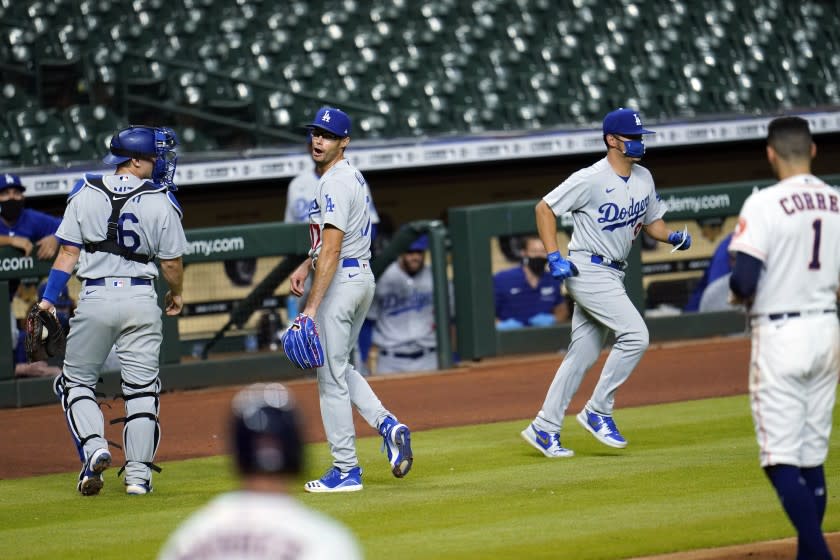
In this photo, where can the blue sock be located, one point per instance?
(799, 504)
(815, 480)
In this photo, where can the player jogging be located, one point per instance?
(114, 226)
(787, 266)
(611, 202)
(341, 293)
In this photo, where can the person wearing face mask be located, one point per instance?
(611, 202)
(528, 295)
(23, 228)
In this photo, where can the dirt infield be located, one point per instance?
(193, 422)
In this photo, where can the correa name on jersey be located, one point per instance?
(617, 217)
(804, 201)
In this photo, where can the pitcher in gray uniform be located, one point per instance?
(114, 227)
(611, 202)
(341, 293)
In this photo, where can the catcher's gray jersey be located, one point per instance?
(342, 201)
(608, 213)
(301, 193)
(151, 227)
(403, 310)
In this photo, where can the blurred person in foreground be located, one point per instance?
(260, 520)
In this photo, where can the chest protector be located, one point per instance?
(117, 200)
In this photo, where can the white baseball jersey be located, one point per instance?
(608, 213)
(403, 310)
(301, 193)
(342, 200)
(152, 227)
(259, 526)
(792, 227)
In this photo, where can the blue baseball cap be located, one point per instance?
(420, 244)
(332, 120)
(10, 181)
(626, 122)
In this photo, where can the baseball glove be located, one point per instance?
(302, 344)
(45, 337)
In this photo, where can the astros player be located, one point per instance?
(611, 202)
(260, 520)
(403, 314)
(342, 290)
(787, 271)
(114, 226)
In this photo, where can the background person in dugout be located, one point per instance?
(528, 295)
(23, 228)
(29, 231)
(402, 314)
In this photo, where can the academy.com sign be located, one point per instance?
(698, 203)
(209, 247)
(11, 264)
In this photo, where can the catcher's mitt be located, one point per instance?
(302, 344)
(45, 337)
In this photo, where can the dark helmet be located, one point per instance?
(266, 430)
(147, 142)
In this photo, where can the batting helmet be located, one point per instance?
(266, 431)
(146, 142)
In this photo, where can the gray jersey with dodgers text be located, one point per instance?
(149, 223)
(607, 213)
(342, 201)
(403, 310)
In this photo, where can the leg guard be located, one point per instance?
(83, 416)
(141, 433)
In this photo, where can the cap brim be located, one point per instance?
(115, 160)
(312, 126)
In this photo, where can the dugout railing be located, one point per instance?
(232, 362)
(473, 227)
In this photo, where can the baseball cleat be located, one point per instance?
(138, 489)
(397, 442)
(602, 427)
(90, 479)
(547, 443)
(336, 481)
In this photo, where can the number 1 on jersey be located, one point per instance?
(815, 255)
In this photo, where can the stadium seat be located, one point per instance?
(60, 150)
(191, 139)
(32, 124)
(88, 121)
(493, 64)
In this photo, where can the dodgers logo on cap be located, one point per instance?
(10, 180)
(332, 120)
(624, 121)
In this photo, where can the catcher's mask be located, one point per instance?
(266, 431)
(147, 142)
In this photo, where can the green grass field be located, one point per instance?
(689, 479)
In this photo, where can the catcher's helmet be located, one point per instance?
(146, 142)
(266, 431)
